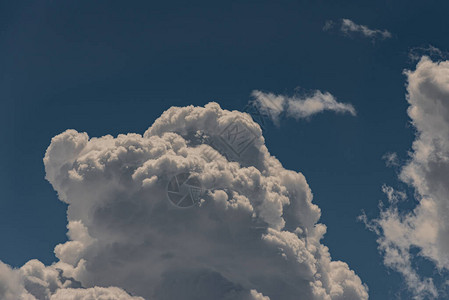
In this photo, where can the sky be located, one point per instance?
(349, 87)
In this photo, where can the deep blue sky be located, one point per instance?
(109, 67)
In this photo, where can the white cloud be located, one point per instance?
(427, 226)
(298, 107)
(12, 284)
(416, 53)
(34, 281)
(349, 28)
(258, 296)
(328, 25)
(254, 234)
(391, 159)
(269, 104)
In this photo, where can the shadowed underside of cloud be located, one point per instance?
(426, 227)
(349, 28)
(253, 235)
(298, 107)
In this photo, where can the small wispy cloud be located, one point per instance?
(416, 53)
(305, 107)
(328, 25)
(391, 159)
(350, 28)
(298, 107)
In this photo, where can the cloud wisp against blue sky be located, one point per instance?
(350, 28)
(298, 107)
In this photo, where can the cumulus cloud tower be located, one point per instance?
(252, 234)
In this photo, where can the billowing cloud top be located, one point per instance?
(253, 233)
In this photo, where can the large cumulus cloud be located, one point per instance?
(426, 227)
(253, 234)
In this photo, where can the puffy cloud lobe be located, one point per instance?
(95, 293)
(11, 284)
(298, 107)
(258, 296)
(34, 281)
(318, 102)
(254, 234)
(427, 171)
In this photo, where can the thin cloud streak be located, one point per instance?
(298, 107)
(350, 28)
